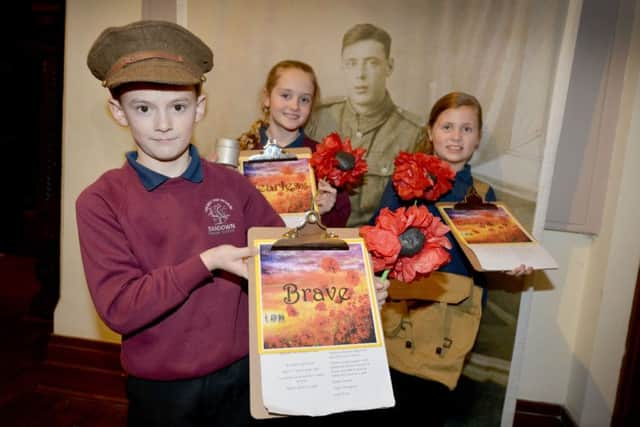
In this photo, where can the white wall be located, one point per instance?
(91, 144)
(577, 331)
(550, 338)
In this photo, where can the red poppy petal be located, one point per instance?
(419, 175)
(437, 228)
(395, 222)
(325, 163)
(442, 241)
(430, 259)
(383, 243)
(406, 270)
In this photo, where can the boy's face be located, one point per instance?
(366, 68)
(455, 135)
(161, 119)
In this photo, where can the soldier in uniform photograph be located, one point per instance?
(367, 115)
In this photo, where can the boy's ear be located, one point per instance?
(117, 112)
(201, 107)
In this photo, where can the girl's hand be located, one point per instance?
(229, 258)
(326, 198)
(521, 270)
(382, 292)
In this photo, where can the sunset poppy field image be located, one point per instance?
(285, 184)
(315, 298)
(487, 226)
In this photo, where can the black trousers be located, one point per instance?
(217, 399)
(418, 400)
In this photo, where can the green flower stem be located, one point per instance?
(385, 274)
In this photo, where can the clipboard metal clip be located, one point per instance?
(473, 201)
(272, 151)
(312, 234)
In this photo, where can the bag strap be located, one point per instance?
(447, 341)
(442, 349)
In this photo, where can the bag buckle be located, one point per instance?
(445, 346)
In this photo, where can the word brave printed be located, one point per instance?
(293, 294)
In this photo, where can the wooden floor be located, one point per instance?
(27, 399)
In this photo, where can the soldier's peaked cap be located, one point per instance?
(149, 52)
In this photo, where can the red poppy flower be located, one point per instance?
(421, 176)
(409, 242)
(338, 163)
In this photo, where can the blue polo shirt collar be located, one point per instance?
(152, 180)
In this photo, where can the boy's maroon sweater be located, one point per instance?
(140, 251)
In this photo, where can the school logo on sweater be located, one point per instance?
(219, 211)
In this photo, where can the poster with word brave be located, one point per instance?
(319, 335)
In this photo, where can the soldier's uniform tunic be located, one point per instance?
(383, 133)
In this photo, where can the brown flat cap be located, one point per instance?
(149, 52)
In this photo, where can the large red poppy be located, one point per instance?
(421, 176)
(409, 242)
(338, 163)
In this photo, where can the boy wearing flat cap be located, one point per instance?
(164, 238)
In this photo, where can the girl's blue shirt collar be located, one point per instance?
(461, 184)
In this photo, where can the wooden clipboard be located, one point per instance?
(311, 235)
(492, 238)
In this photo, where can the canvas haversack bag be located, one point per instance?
(431, 325)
